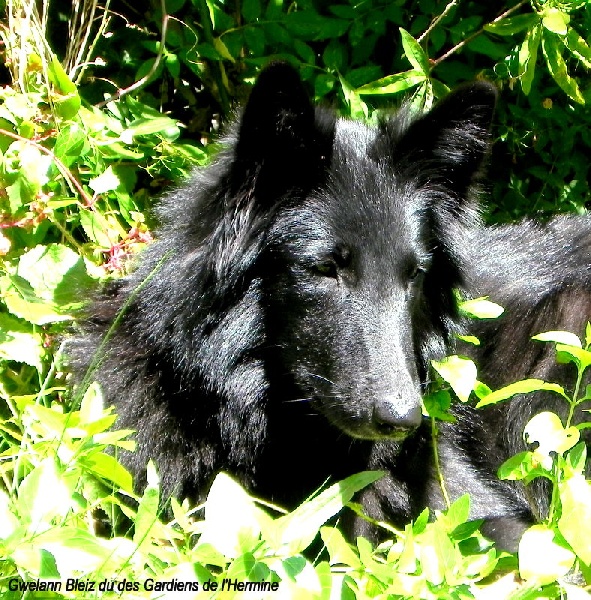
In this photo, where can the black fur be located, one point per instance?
(298, 288)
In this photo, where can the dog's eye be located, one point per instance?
(326, 268)
(416, 272)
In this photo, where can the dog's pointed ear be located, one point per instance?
(454, 137)
(277, 137)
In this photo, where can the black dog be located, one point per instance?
(282, 326)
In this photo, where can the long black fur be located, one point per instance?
(297, 291)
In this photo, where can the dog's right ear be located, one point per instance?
(278, 146)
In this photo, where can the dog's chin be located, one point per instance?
(371, 434)
(365, 430)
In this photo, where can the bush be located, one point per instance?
(105, 106)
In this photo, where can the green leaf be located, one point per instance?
(552, 48)
(105, 182)
(469, 339)
(75, 550)
(147, 514)
(305, 52)
(56, 273)
(520, 387)
(517, 467)
(255, 40)
(20, 343)
(309, 25)
(459, 372)
(547, 430)
(566, 354)
(512, 25)
(439, 557)
(458, 512)
(95, 229)
(555, 20)
(437, 405)
(528, 55)
(575, 520)
(149, 126)
(231, 516)
(523, 466)
(8, 521)
(357, 107)
(67, 102)
(541, 558)
(71, 144)
(392, 84)
(339, 550)
(21, 301)
(296, 531)
(577, 457)
(578, 47)
(561, 337)
(108, 468)
(44, 494)
(415, 54)
(481, 308)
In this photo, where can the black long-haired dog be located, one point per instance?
(297, 291)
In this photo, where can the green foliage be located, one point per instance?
(100, 111)
(559, 544)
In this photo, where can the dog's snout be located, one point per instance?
(392, 417)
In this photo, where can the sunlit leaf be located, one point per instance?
(415, 54)
(512, 25)
(552, 48)
(520, 387)
(575, 520)
(555, 20)
(481, 308)
(528, 55)
(578, 47)
(230, 516)
(541, 558)
(547, 430)
(560, 337)
(459, 372)
(392, 84)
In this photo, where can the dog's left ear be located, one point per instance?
(454, 137)
(278, 146)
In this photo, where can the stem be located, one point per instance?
(573, 403)
(438, 19)
(100, 353)
(144, 80)
(434, 434)
(69, 177)
(216, 66)
(554, 499)
(476, 34)
(66, 173)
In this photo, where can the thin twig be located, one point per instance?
(139, 84)
(437, 20)
(66, 173)
(440, 478)
(477, 33)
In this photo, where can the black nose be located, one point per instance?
(392, 417)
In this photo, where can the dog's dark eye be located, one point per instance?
(416, 272)
(326, 268)
(331, 265)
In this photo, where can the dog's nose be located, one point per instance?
(392, 417)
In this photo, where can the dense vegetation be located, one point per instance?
(104, 105)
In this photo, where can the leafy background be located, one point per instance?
(103, 106)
